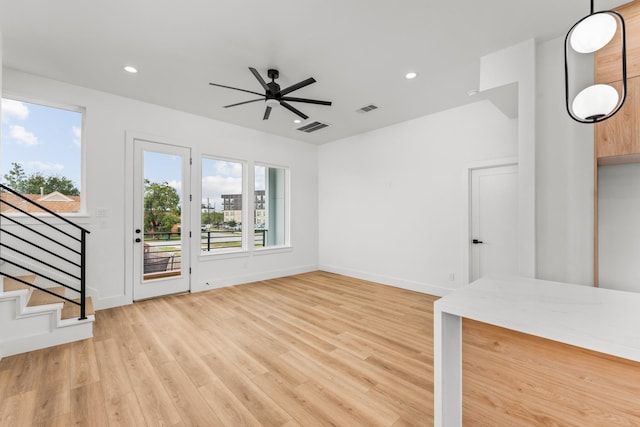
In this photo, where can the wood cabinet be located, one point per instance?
(607, 59)
(620, 135)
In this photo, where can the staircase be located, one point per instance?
(31, 319)
(43, 298)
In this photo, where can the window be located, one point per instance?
(271, 216)
(41, 153)
(221, 213)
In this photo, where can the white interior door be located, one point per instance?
(494, 222)
(161, 212)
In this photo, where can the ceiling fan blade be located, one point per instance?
(297, 86)
(267, 112)
(257, 75)
(245, 102)
(235, 88)
(308, 101)
(294, 110)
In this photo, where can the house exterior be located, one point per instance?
(55, 201)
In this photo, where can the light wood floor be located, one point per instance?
(313, 349)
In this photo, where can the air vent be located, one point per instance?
(312, 127)
(367, 108)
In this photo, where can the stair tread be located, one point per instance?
(70, 311)
(39, 297)
(9, 284)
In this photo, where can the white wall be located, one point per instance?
(618, 227)
(108, 119)
(564, 177)
(516, 64)
(392, 201)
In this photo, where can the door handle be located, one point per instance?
(138, 240)
(476, 241)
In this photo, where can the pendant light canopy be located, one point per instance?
(597, 102)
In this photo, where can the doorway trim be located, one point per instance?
(465, 236)
(129, 182)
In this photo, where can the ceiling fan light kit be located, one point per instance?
(274, 96)
(596, 102)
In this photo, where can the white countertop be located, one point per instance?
(602, 320)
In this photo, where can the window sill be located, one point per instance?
(272, 250)
(209, 256)
(204, 256)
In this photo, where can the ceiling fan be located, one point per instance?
(275, 96)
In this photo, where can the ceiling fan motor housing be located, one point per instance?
(274, 89)
(273, 73)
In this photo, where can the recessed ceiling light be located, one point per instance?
(130, 69)
(297, 121)
(411, 75)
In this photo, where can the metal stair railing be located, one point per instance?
(55, 234)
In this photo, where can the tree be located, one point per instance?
(36, 183)
(212, 218)
(161, 207)
(16, 177)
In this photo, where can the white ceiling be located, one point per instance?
(357, 50)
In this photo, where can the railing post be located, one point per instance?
(208, 241)
(83, 275)
(264, 239)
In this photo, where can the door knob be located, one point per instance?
(138, 231)
(476, 241)
(138, 240)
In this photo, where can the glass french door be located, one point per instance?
(161, 219)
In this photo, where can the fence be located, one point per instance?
(212, 240)
(163, 250)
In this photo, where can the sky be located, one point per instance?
(42, 139)
(224, 177)
(218, 176)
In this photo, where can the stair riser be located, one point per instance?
(25, 328)
(57, 336)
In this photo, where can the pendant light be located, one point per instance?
(596, 102)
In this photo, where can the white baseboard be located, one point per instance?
(424, 288)
(119, 300)
(58, 336)
(216, 283)
(111, 302)
(249, 278)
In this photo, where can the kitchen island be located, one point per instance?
(577, 318)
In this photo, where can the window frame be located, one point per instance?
(83, 213)
(243, 250)
(286, 246)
